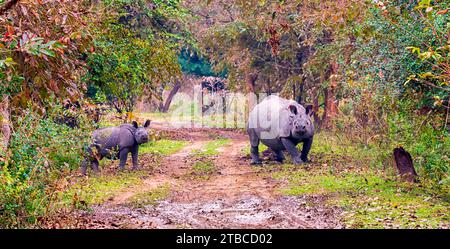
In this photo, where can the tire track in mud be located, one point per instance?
(235, 196)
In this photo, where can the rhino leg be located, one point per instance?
(84, 165)
(293, 151)
(94, 165)
(134, 157)
(90, 159)
(123, 155)
(254, 151)
(306, 148)
(279, 157)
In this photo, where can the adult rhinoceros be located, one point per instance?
(280, 124)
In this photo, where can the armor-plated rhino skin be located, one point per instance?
(280, 124)
(115, 143)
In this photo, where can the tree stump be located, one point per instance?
(404, 164)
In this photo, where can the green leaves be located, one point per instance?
(424, 4)
(41, 152)
(414, 50)
(133, 57)
(34, 45)
(8, 62)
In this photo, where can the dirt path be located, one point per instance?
(234, 196)
(173, 167)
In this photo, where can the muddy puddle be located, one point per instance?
(248, 212)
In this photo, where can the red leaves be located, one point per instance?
(9, 35)
(274, 39)
(37, 35)
(284, 25)
(53, 86)
(10, 29)
(442, 12)
(7, 6)
(64, 40)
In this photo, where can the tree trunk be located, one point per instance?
(330, 109)
(175, 89)
(299, 96)
(5, 124)
(316, 106)
(252, 98)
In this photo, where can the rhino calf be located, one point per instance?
(115, 143)
(280, 124)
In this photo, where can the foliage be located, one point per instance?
(41, 154)
(427, 145)
(391, 60)
(40, 56)
(192, 63)
(135, 50)
(385, 65)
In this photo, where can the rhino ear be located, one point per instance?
(309, 110)
(293, 109)
(147, 123)
(135, 124)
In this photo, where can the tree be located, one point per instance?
(40, 57)
(136, 51)
(287, 44)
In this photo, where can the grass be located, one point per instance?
(211, 148)
(246, 150)
(358, 178)
(370, 197)
(162, 147)
(370, 200)
(97, 190)
(335, 149)
(204, 167)
(150, 197)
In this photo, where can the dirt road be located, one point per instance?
(234, 195)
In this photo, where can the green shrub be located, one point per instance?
(428, 145)
(399, 124)
(40, 153)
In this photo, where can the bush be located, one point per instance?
(381, 126)
(41, 152)
(424, 137)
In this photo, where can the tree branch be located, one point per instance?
(434, 86)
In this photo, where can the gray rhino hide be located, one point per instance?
(272, 123)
